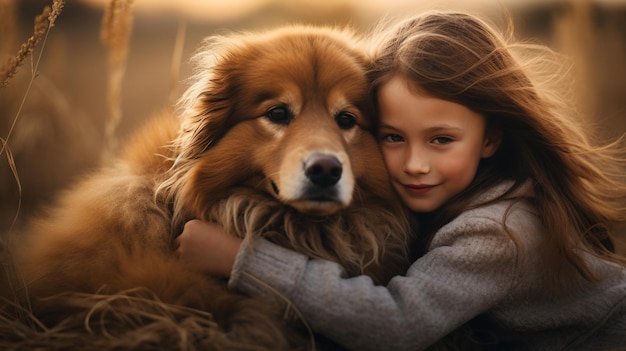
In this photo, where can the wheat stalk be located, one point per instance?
(43, 23)
(115, 35)
(9, 69)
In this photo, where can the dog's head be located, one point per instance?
(285, 112)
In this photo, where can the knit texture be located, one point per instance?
(472, 268)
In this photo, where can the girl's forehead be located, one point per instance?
(402, 106)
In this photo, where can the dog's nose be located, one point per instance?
(323, 170)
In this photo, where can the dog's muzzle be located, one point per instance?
(322, 184)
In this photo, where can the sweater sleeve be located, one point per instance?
(467, 271)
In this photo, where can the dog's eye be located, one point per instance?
(279, 114)
(345, 120)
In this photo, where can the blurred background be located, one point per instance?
(60, 130)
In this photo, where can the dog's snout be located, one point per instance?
(323, 170)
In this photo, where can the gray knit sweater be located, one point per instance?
(472, 267)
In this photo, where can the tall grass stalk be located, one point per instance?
(177, 55)
(43, 23)
(115, 35)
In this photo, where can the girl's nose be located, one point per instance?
(416, 163)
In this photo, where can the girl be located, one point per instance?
(515, 207)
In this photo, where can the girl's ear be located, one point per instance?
(493, 138)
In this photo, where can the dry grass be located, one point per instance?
(43, 23)
(130, 320)
(177, 57)
(115, 33)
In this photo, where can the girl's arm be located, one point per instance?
(203, 246)
(462, 276)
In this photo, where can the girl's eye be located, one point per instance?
(279, 115)
(393, 138)
(345, 120)
(442, 140)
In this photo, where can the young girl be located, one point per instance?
(515, 206)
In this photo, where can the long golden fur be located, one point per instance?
(273, 139)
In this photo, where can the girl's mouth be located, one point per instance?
(418, 189)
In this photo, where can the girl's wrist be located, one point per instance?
(230, 256)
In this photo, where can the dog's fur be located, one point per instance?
(273, 139)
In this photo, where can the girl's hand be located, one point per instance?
(203, 246)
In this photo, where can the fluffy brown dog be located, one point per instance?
(273, 139)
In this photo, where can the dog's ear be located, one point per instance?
(204, 119)
(207, 105)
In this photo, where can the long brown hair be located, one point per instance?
(579, 187)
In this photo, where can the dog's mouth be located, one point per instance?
(320, 206)
(313, 193)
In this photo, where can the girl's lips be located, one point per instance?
(418, 189)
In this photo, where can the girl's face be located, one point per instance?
(431, 147)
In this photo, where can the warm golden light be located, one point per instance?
(215, 9)
(220, 10)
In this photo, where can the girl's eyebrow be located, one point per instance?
(433, 129)
(442, 128)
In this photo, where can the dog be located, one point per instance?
(273, 138)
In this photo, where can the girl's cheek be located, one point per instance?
(392, 160)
